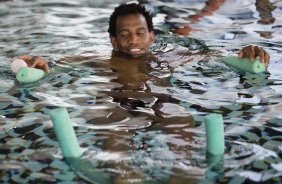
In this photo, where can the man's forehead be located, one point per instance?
(131, 20)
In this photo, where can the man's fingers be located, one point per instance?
(241, 54)
(30, 60)
(252, 53)
(46, 67)
(266, 59)
(24, 57)
(37, 62)
(33, 63)
(260, 53)
(263, 56)
(40, 64)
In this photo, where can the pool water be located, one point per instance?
(140, 120)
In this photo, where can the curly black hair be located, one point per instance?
(126, 9)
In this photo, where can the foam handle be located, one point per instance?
(245, 64)
(65, 133)
(27, 74)
(214, 134)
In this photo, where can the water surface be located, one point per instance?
(140, 120)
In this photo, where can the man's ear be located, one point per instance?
(152, 37)
(113, 41)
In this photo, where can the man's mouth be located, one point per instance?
(135, 50)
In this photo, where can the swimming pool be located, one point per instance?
(140, 121)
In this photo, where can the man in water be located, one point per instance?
(131, 34)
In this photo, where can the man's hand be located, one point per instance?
(252, 52)
(35, 62)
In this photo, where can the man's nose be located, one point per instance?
(134, 39)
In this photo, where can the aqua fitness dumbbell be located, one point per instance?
(214, 134)
(215, 146)
(245, 64)
(25, 73)
(71, 149)
(65, 133)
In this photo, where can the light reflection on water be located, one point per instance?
(139, 120)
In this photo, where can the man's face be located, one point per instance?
(132, 35)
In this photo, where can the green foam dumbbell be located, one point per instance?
(65, 133)
(245, 64)
(214, 134)
(27, 74)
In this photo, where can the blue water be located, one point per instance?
(140, 120)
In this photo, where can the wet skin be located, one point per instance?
(132, 35)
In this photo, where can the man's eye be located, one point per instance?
(124, 35)
(140, 33)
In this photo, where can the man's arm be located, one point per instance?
(40, 63)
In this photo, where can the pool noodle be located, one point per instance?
(28, 74)
(89, 170)
(215, 168)
(245, 64)
(214, 160)
(65, 133)
(214, 134)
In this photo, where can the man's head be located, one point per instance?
(131, 29)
